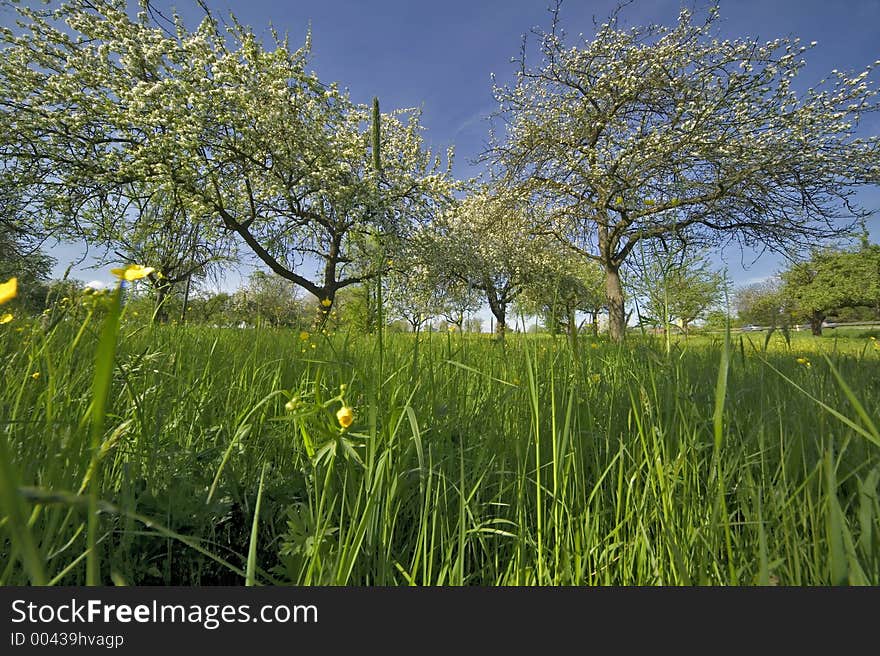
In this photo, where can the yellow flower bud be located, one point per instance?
(345, 416)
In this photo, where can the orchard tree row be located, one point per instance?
(622, 159)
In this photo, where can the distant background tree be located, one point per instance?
(210, 308)
(571, 286)
(832, 279)
(156, 227)
(489, 243)
(273, 301)
(677, 285)
(414, 294)
(762, 304)
(658, 131)
(473, 324)
(457, 300)
(23, 259)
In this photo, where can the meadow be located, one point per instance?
(726, 460)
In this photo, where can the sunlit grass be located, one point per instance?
(222, 459)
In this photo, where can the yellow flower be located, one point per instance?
(8, 290)
(595, 378)
(594, 345)
(313, 346)
(35, 375)
(805, 362)
(6, 318)
(345, 416)
(326, 302)
(516, 381)
(132, 272)
(303, 335)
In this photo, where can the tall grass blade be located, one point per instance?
(255, 525)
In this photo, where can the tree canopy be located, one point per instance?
(239, 132)
(643, 132)
(832, 279)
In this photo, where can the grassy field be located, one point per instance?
(219, 459)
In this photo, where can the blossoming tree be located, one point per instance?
(239, 132)
(490, 243)
(650, 131)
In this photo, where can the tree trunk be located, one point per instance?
(498, 306)
(160, 313)
(614, 295)
(500, 312)
(594, 322)
(816, 320)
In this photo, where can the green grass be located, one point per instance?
(469, 462)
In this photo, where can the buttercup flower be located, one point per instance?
(35, 375)
(132, 272)
(805, 362)
(345, 416)
(8, 290)
(6, 318)
(326, 302)
(303, 335)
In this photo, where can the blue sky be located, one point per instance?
(439, 56)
